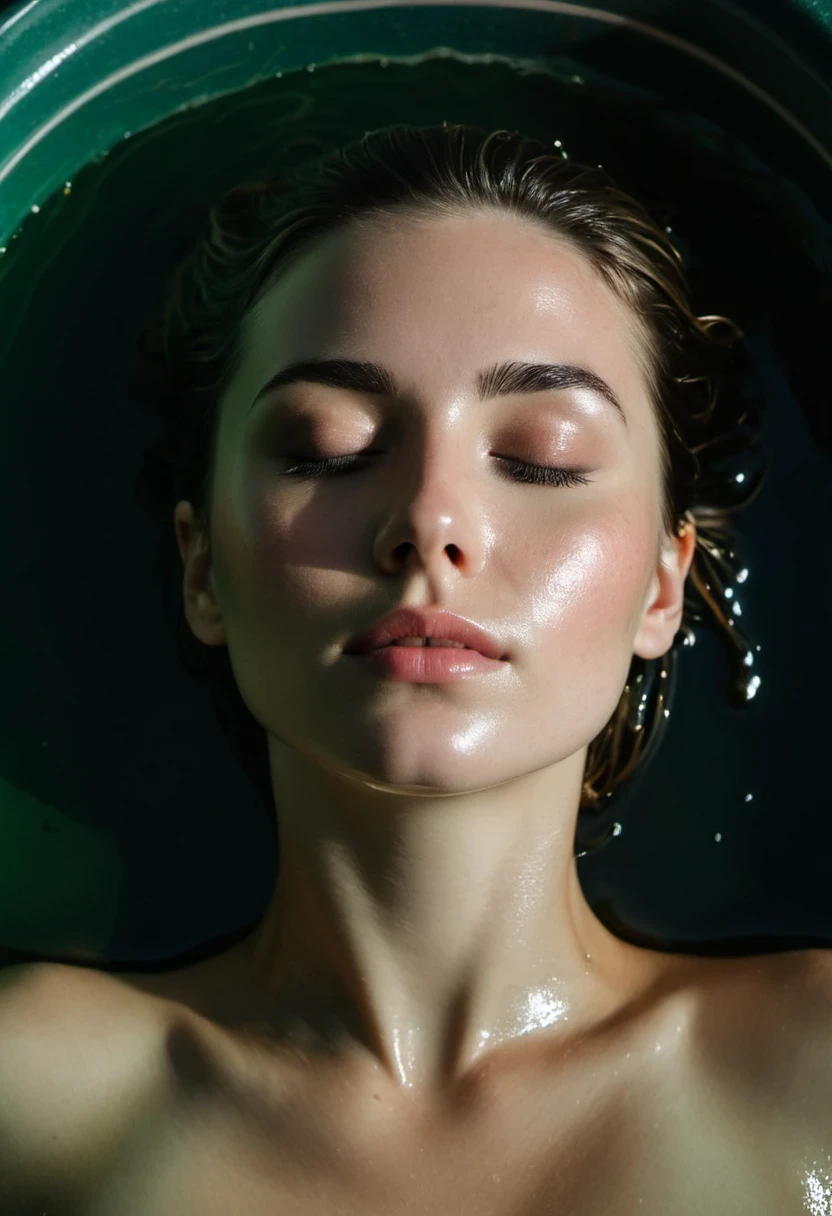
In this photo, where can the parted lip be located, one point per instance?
(415, 623)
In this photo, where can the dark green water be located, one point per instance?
(128, 830)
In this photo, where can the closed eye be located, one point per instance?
(519, 470)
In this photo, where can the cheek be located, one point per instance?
(591, 583)
(278, 559)
(584, 617)
(586, 602)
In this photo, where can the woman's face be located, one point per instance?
(566, 578)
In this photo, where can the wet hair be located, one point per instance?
(694, 367)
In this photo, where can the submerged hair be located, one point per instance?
(695, 367)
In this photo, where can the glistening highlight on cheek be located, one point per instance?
(592, 573)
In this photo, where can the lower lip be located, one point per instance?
(428, 664)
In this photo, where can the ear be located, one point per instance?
(662, 613)
(198, 591)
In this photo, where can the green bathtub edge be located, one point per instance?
(58, 52)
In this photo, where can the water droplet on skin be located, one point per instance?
(36, 209)
(748, 797)
(577, 79)
(717, 836)
(817, 1188)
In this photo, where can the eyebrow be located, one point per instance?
(498, 381)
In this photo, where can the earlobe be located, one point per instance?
(199, 589)
(201, 608)
(662, 616)
(182, 522)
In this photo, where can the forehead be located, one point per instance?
(439, 298)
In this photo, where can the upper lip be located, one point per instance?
(415, 623)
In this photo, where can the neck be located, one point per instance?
(429, 931)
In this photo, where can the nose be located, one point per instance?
(434, 518)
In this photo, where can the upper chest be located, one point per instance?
(652, 1122)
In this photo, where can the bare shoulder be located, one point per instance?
(760, 999)
(764, 1030)
(801, 986)
(790, 990)
(77, 1065)
(812, 969)
(794, 1042)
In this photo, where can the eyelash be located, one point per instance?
(535, 474)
